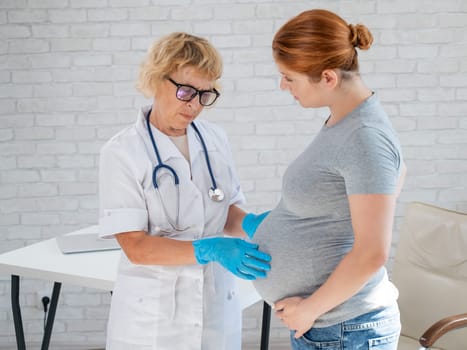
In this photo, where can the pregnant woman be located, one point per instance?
(330, 235)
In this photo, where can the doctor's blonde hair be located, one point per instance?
(175, 51)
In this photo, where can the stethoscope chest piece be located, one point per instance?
(216, 194)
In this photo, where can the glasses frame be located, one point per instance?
(198, 93)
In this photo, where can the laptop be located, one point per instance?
(84, 243)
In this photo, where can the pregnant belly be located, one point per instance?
(303, 254)
(288, 275)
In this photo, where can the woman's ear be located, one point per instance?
(330, 78)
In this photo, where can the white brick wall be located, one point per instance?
(67, 72)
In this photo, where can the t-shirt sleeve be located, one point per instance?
(370, 162)
(122, 205)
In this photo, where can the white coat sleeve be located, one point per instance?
(237, 197)
(122, 204)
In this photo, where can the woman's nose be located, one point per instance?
(283, 84)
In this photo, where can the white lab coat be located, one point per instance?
(193, 307)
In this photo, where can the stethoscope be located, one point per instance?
(214, 193)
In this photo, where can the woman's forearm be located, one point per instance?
(372, 221)
(350, 275)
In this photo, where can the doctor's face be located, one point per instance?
(171, 115)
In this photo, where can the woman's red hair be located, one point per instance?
(316, 40)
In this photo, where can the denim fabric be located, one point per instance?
(376, 330)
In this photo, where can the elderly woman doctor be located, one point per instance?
(168, 193)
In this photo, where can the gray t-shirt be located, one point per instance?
(310, 230)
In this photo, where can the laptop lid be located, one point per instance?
(83, 243)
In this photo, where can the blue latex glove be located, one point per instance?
(251, 222)
(236, 255)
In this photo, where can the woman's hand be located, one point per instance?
(294, 314)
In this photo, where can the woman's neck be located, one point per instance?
(348, 97)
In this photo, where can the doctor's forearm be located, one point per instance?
(143, 249)
(233, 225)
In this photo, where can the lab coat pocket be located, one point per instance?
(142, 308)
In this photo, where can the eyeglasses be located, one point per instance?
(188, 93)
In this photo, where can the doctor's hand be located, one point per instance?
(236, 255)
(251, 222)
(295, 315)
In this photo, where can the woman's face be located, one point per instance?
(172, 116)
(307, 92)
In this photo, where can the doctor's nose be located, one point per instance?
(194, 104)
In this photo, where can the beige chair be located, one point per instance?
(430, 271)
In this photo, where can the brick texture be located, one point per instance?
(67, 73)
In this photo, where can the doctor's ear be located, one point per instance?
(330, 78)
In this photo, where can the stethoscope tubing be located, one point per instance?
(208, 162)
(160, 164)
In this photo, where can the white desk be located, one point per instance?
(97, 270)
(44, 261)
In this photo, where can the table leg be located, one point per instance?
(17, 313)
(266, 325)
(265, 328)
(51, 316)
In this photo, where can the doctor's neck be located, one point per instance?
(164, 124)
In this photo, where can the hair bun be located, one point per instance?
(360, 36)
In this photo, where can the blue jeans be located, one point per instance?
(376, 330)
